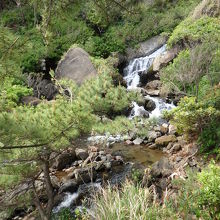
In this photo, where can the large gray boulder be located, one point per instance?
(145, 48)
(75, 65)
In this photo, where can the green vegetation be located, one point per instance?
(190, 32)
(38, 31)
(198, 197)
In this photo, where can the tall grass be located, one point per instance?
(132, 202)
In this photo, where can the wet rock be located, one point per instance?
(152, 135)
(153, 146)
(165, 140)
(63, 160)
(149, 105)
(85, 175)
(81, 153)
(75, 65)
(164, 128)
(152, 92)
(145, 48)
(161, 168)
(69, 186)
(30, 100)
(163, 59)
(154, 85)
(137, 141)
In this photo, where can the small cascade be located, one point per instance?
(160, 107)
(67, 201)
(138, 111)
(132, 77)
(137, 66)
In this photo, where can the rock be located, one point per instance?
(85, 175)
(176, 147)
(153, 146)
(92, 149)
(55, 182)
(30, 100)
(129, 142)
(164, 128)
(152, 135)
(178, 159)
(169, 146)
(153, 85)
(145, 48)
(149, 105)
(137, 141)
(75, 65)
(63, 160)
(69, 186)
(163, 59)
(172, 129)
(119, 158)
(153, 92)
(42, 87)
(161, 168)
(165, 140)
(81, 153)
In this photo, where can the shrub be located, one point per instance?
(209, 196)
(190, 32)
(192, 117)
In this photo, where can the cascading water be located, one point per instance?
(137, 66)
(132, 76)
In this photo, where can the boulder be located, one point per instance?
(154, 85)
(81, 153)
(149, 105)
(172, 129)
(69, 186)
(164, 128)
(145, 48)
(152, 135)
(161, 168)
(152, 92)
(176, 147)
(30, 100)
(75, 65)
(163, 59)
(85, 175)
(137, 141)
(42, 87)
(63, 160)
(165, 140)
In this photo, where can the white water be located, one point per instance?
(70, 198)
(135, 67)
(67, 201)
(132, 77)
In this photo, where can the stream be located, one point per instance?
(134, 156)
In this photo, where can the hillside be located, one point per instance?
(109, 109)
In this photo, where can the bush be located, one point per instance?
(209, 196)
(192, 117)
(189, 32)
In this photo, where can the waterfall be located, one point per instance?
(132, 77)
(137, 66)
